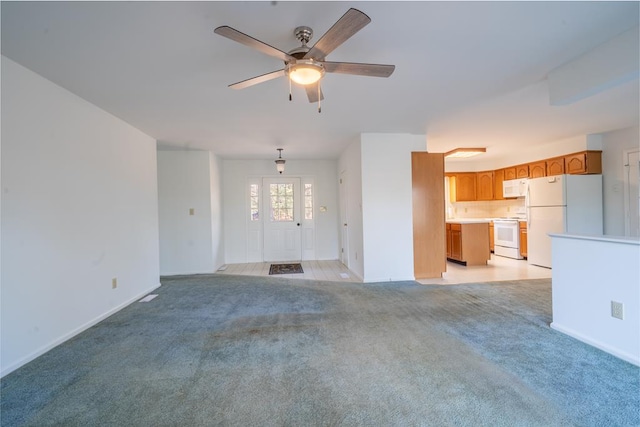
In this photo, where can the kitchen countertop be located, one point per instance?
(479, 220)
(468, 221)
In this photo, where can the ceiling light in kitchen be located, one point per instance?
(464, 152)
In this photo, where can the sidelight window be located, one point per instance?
(254, 202)
(308, 201)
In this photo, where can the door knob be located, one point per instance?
(298, 224)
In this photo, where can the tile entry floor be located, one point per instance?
(499, 268)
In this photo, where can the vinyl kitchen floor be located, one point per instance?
(498, 268)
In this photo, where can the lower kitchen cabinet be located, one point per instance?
(448, 238)
(491, 238)
(523, 238)
(456, 242)
(468, 243)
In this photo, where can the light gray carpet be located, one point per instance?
(255, 351)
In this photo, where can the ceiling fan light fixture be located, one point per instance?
(305, 71)
(464, 152)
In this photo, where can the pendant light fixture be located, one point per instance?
(280, 162)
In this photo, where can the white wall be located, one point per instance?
(189, 244)
(237, 173)
(79, 208)
(387, 207)
(583, 290)
(613, 146)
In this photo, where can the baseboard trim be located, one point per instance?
(627, 357)
(42, 350)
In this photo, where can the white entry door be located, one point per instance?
(282, 219)
(344, 250)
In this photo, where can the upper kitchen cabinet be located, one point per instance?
(510, 173)
(498, 179)
(484, 181)
(462, 187)
(538, 169)
(522, 171)
(555, 166)
(586, 162)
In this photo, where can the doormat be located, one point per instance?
(285, 269)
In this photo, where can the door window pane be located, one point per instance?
(281, 204)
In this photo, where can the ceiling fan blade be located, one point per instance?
(371, 70)
(312, 92)
(350, 23)
(246, 40)
(258, 79)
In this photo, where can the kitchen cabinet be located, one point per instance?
(510, 173)
(428, 207)
(448, 228)
(462, 187)
(456, 242)
(498, 179)
(555, 166)
(491, 238)
(484, 181)
(523, 238)
(468, 243)
(586, 162)
(522, 171)
(538, 169)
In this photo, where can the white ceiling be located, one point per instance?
(467, 73)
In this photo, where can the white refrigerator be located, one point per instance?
(561, 204)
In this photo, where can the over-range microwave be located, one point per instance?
(514, 188)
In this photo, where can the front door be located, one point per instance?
(282, 219)
(344, 250)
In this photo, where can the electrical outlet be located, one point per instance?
(114, 283)
(192, 211)
(617, 310)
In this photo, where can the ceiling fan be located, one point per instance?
(306, 65)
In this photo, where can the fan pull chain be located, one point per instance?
(290, 97)
(319, 106)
